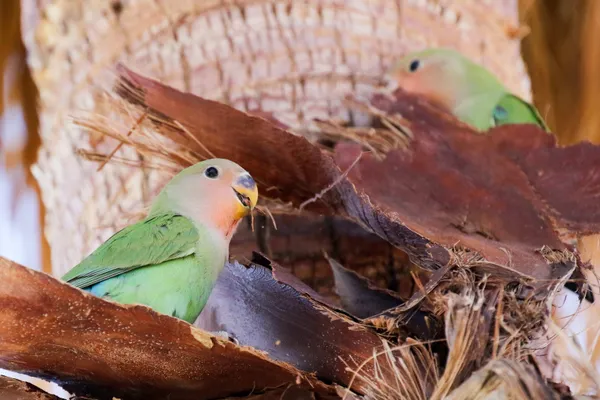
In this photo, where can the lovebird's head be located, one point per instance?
(438, 74)
(215, 192)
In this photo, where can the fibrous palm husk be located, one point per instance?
(101, 349)
(504, 379)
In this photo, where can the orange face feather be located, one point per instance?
(216, 192)
(431, 74)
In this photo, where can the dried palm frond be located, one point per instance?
(572, 365)
(414, 372)
(504, 379)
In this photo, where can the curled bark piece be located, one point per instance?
(448, 196)
(381, 307)
(260, 311)
(95, 347)
(358, 296)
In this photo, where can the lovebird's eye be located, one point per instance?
(414, 65)
(211, 172)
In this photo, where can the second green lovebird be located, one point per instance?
(170, 261)
(472, 93)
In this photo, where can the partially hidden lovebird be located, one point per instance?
(472, 93)
(170, 260)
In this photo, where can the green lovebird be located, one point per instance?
(170, 261)
(472, 93)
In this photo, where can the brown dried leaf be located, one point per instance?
(489, 194)
(95, 347)
(258, 310)
(508, 187)
(262, 148)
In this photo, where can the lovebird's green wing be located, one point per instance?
(476, 110)
(152, 241)
(514, 110)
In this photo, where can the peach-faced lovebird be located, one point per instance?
(472, 93)
(170, 261)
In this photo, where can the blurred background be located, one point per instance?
(21, 236)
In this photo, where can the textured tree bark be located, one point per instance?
(294, 59)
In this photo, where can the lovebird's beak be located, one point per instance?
(247, 193)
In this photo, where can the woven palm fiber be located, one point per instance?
(295, 59)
